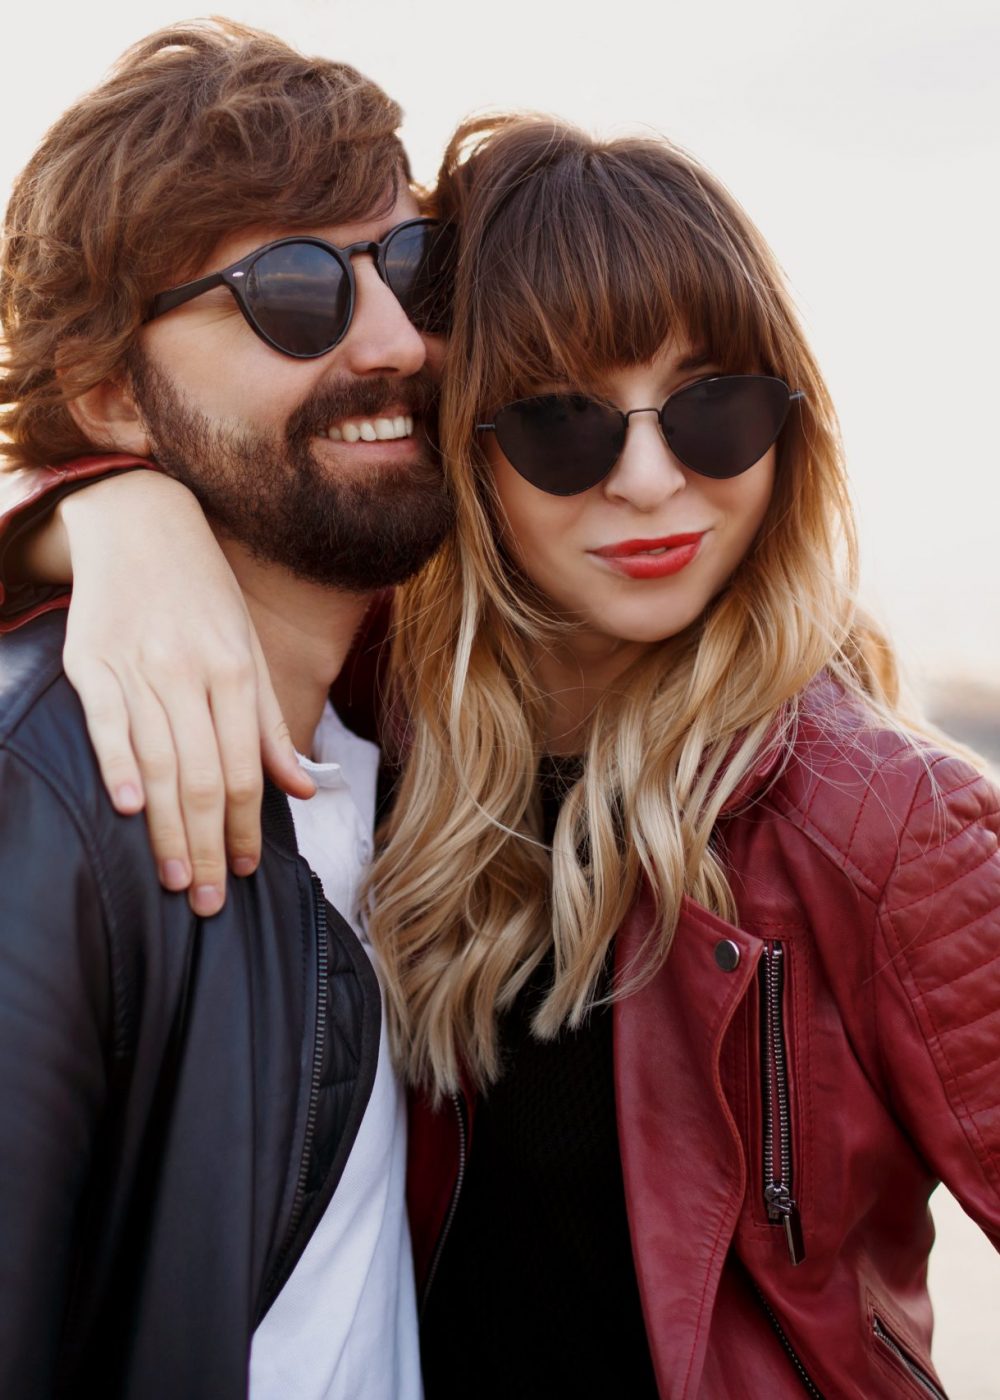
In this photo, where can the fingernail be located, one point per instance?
(128, 797)
(244, 865)
(207, 900)
(174, 874)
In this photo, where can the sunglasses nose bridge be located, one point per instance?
(627, 414)
(644, 473)
(369, 249)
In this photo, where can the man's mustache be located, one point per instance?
(363, 398)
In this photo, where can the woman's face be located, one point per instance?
(638, 557)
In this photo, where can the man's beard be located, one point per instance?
(356, 529)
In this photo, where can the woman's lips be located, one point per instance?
(651, 558)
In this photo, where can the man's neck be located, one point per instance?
(305, 630)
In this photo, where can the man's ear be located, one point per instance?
(109, 417)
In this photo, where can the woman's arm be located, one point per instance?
(937, 984)
(164, 656)
(28, 495)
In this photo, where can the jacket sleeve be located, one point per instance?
(55, 1047)
(27, 494)
(937, 983)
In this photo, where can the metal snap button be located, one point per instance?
(727, 955)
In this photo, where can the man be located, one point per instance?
(201, 1139)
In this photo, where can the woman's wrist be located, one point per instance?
(116, 512)
(40, 554)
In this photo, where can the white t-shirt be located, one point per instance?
(344, 1327)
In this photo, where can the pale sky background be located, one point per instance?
(863, 138)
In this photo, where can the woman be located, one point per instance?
(691, 942)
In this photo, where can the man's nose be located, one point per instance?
(381, 339)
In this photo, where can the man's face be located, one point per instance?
(248, 428)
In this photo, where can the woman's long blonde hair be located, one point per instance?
(577, 256)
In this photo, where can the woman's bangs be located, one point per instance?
(602, 280)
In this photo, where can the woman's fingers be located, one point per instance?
(234, 717)
(200, 790)
(153, 744)
(281, 762)
(107, 719)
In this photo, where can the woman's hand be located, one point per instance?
(168, 667)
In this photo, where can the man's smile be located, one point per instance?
(381, 429)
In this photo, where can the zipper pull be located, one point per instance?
(780, 1206)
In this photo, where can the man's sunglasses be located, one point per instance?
(567, 443)
(298, 293)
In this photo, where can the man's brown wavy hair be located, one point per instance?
(201, 129)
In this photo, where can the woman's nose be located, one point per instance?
(647, 473)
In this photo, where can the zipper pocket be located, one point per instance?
(808, 1384)
(458, 1103)
(913, 1367)
(778, 1178)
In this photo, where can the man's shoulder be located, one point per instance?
(43, 736)
(41, 720)
(30, 663)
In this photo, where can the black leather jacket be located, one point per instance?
(177, 1097)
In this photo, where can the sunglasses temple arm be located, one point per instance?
(486, 427)
(798, 394)
(177, 296)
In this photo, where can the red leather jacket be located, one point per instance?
(837, 1048)
(791, 1087)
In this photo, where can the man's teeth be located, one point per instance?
(371, 429)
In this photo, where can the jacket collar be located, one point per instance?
(276, 819)
(762, 772)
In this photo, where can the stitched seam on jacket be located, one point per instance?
(967, 1025)
(862, 808)
(949, 932)
(862, 881)
(966, 1119)
(966, 972)
(980, 819)
(975, 780)
(939, 889)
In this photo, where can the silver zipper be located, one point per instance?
(319, 1044)
(781, 1206)
(458, 1103)
(904, 1357)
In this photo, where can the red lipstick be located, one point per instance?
(658, 558)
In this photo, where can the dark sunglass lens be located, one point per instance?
(721, 427)
(419, 267)
(299, 296)
(561, 443)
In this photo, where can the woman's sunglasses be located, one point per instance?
(298, 293)
(567, 443)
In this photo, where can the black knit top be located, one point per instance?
(535, 1293)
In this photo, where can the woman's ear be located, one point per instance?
(109, 417)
